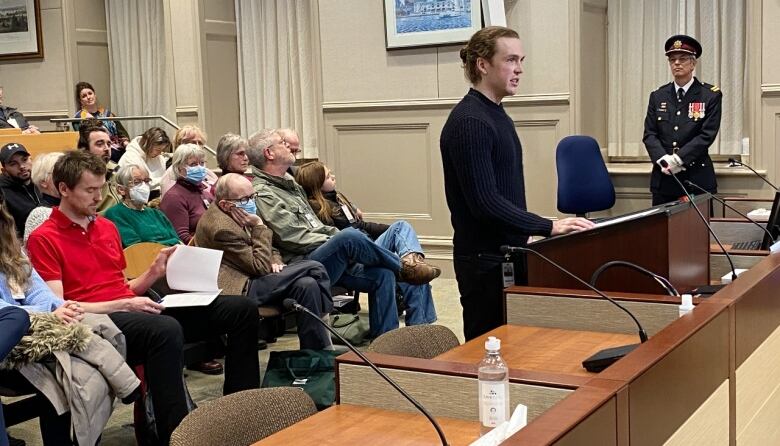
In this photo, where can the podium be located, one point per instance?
(669, 240)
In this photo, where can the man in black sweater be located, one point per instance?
(483, 181)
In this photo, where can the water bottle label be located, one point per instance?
(493, 403)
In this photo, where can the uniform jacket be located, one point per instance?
(282, 204)
(247, 253)
(679, 127)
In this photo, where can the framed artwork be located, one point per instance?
(410, 23)
(20, 30)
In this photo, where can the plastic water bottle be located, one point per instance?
(493, 375)
(686, 305)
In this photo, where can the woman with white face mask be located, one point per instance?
(136, 221)
(184, 203)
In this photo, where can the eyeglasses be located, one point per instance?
(135, 183)
(681, 59)
(244, 200)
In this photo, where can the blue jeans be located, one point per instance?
(354, 261)
(14, 323)
(402, 240)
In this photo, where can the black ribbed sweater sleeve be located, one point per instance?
(470, 149)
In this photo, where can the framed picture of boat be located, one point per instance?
(20, 30)
(410, 23)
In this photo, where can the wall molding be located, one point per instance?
(187, 110)
(40, 115)
(770, 90)
(437, 103)
(537, 123)
(91, 36)
(394, 216)
(389, 126)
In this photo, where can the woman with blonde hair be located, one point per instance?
(148, 150)
(334, 209)
(189, 134)
(42, 167)
(184, 203)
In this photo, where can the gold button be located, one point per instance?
(675, 128)
(674, 144)
(678, 112)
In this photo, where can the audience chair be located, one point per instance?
(243, 418)
(583, 181)
(139, 257)
(416, 341)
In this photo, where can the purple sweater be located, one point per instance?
(184, 205)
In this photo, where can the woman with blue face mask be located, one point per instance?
(185, 202)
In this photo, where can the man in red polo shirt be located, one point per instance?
(79, 255)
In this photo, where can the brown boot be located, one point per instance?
(415, 271)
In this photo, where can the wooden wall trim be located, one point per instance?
(440, 103)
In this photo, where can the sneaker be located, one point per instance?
(415, 271)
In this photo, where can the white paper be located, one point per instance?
(194, 299)
(506, 429)
(193, 269)
(518, 420)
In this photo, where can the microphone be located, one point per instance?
(670, 289)
(604, 358)
(293, 305)
(734, 163)
(664, 164)
(723, 202)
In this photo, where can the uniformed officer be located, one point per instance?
(683, 118)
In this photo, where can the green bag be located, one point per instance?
(311, 370)
(351, 327)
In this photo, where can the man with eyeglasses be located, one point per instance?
(251, 267)
(683, 119)
(136, 221)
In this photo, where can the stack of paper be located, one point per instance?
(194, 270)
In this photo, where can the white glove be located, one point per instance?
(674, 164)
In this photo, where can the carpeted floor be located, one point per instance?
(119, 431)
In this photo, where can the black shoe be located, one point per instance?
(15, 441)
(261, 344)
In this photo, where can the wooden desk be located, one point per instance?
(541, 349)
(346, 424)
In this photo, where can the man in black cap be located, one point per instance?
(683, 118)
(21, 195)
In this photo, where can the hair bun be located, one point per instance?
(464, 54)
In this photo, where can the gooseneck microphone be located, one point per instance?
(665, 165)
(723, 202)
(734, 163)
(293, 305)
(603, 358)
(664, 282)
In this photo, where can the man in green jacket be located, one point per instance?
(350, 257)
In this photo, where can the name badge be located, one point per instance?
(347, 213)
(313, 221)
(508, 273)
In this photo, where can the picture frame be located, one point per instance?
(20, 30)
(415, 23)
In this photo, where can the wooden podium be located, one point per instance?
(669, 240)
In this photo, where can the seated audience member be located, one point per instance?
(42, 167)
(95, 139)
(293, 141)
(231, 154)
(147, 151)
(11, 118)
(184, 203)
(250, 266)
(136, 221)
(334, 209)
(189, 134)
(22, 288)
(87, 103)
(14, 323)
(78, 253)
(21, 195)
(298, 233)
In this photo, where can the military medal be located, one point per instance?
(696, 110)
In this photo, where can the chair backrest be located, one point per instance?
(583, 181)
(417, 341)
(139, 257)
(243, 418)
